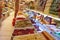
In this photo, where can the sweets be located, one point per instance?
(23, 31)
(23, 23)
(30, 37)
(38, 36)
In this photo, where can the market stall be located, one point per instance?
(30, 20)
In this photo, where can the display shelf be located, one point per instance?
(49, 15)
(20, 25)
(25, 28)
(23, 31)
(29, 36)
(36, 36)
(20, 16)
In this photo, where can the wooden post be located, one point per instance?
(47, 7)
(0, 13)
(1, 6)
(16, 11)
(0, 10)
(16, 7)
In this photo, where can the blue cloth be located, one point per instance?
(42, 26)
